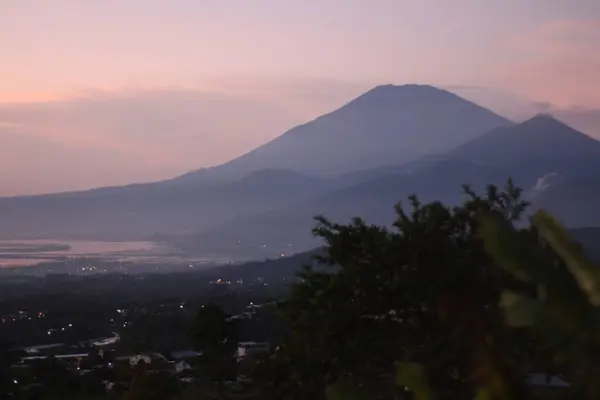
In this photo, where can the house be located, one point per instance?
(246, 349)
(152, 361)
(182, 366)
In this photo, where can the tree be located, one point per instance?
(8, 356)
(152, 386)
(564, 310)
(216, 336)
(57, 382)
(425, 293)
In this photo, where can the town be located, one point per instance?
(99, 329)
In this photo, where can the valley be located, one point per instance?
(286, 200)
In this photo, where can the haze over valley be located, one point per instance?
(291, 200)
(358, 160)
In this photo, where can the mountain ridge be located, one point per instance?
(440, 178)
(537, 146)
(367, 178)
(380, 113)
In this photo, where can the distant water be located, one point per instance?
(29, 252)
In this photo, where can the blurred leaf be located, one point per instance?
(523, 258)
(412, 375)
(483, 394)
(504, 245)
(585, 272)
(521, 311)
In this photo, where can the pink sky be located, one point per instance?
(74, 72)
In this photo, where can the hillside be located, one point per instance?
(590, 239)
(141, 211)
(382, 127)
(387, 125)
(263, 203)
(574, 201)
(288, 229)
(278, 268)
(547, 158)
(533, 148)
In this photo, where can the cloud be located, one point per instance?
(305, 97)
(545, 181)
(97, 138)
(148, 134)
(156, 133)
(34, 164)
(505, 103)
(519, 108)
(557, 62)
(584, 119)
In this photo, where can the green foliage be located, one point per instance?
(152, 386)
(214, 333)
(216, 336)
(425, 293)
(7, 357)
(563, 311)
(412, 376)
(455, 303)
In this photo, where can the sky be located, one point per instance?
(109, 92)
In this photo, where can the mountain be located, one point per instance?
(143, 210)
(387, 125)
(288, 229)
(382, 127)
(590, 239)
(536, 147)
(360, 160)
(356, 177)
(127, 136)
(558, 166)
(573, 201)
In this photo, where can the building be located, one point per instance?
(182, 366)
(147, 361)
(246, 349)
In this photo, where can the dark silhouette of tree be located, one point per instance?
(564, 310)
(153, 385)
(8, 356)
(424, 293)
(216, 336)
(57, 382)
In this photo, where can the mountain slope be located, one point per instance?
(382, 127)
(590, 239)
(574, 202)
(288, 229)
(140, 211)
(533, 148)
(558, 167)
(387, 125)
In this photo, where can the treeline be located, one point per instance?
(453, 303)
